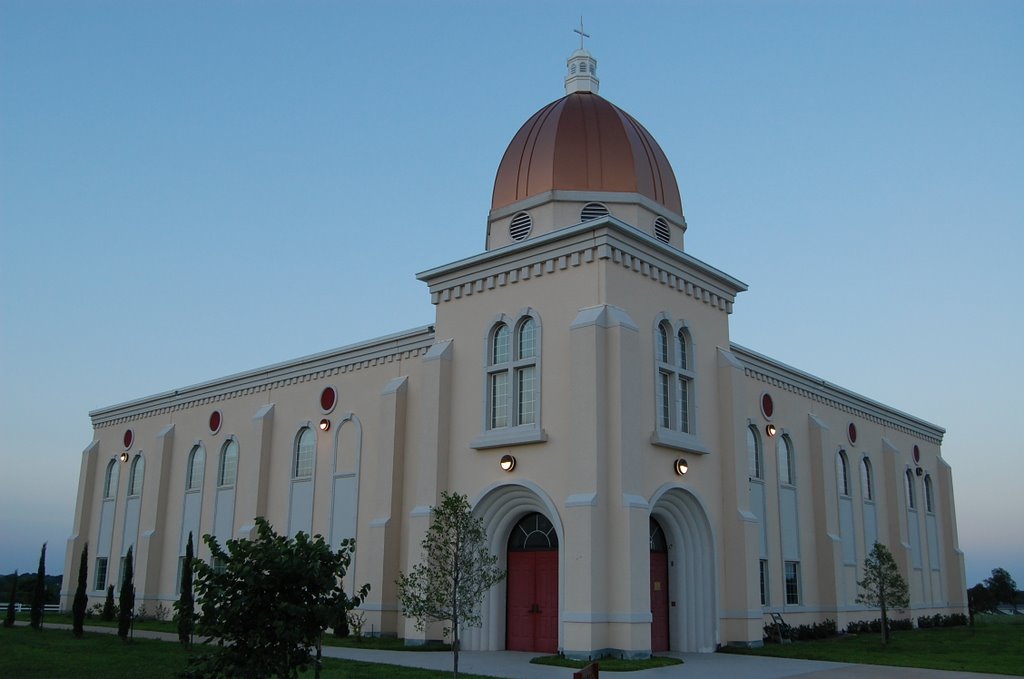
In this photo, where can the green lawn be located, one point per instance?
(25, 652)
(995, 645)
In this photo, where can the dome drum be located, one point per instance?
(556, 210)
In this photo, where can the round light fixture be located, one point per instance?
(325, 424)
(680, 466)
(770, 430)
(507, 463)
(123, 456)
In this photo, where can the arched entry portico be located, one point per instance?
(501, 507)
(692, 586)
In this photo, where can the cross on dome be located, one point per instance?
(581, 67)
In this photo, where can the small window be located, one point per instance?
(658, 541)
(136, 476)
(305, 451)
(110, 480)
(196, 468)
(100, 582)
(911, 500)
(842, 474)
(867, 480)
(793, 583)
(228, 467)
(572, 67)
(764, 582)
(754, 457)
(661, 230)
(784, 448)
(592, 211)
(929, 498)
(520, 226)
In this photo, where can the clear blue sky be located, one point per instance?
(190, 189)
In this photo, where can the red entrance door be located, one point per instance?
(659, 601)
(532, 605)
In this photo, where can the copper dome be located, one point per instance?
(583, 142)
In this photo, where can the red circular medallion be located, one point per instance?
(129, 438)
(328, 398)
(215, 420)
(852, 432)
(767, 405)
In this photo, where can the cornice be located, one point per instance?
(774, 373)
(399, 346)
(603, 239)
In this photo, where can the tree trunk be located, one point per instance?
(885, 620)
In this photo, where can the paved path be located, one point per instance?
(516, 665)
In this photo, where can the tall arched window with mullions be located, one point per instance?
(674, 378)
(224, 505)
(300, 514)
(755, 460)
(196, 468)
(512, 385)
(842, 474)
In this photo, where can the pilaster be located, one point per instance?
(149, 554)
(83, 520)
(256, 475)
(828, 544)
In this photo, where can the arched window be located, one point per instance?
(135, 477)
(754, 457)
(513, 394)
(533, 532)
(228, 467)
(658, 541)
(305, 451)
(911, 500)
(196, 468)
(674, 389)
(784, 448)
(867, 480)
(929, 497)
(842, 474)
(526, 372)
(110, 480)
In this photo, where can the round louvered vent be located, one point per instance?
(661, 230)
(520, 226)
(592, 211)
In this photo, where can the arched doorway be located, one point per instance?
(659, 588)
(692, 588)
(532, 595)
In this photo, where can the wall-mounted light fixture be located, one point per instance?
(770, 430)
(920, 471)
(507, 463)
(123, 456)
(680, 466)
(325, 424)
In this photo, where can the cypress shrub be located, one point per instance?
(81, 599)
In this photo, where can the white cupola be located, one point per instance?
(581, 74)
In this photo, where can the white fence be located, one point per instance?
(21, 608)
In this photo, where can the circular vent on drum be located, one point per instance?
(592, 211)
(661, 230)
(520, 226)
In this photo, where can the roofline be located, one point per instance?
(824, 387)
(399, 341)
(680, 257)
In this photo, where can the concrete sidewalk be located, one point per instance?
(516, 665)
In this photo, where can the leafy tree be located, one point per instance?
(9, 618)
(185, 605)
(109, 609)
(39, 592)
(269, 601)
(883, 587)
(81, 598)
(1002, 587)
(126, 600)
(455, 571)
(980, 600)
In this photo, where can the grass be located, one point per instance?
(608, 663)
(96, 621)
(56, 653)
(383, 644)
(994, 645)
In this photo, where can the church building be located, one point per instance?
(648, 484)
